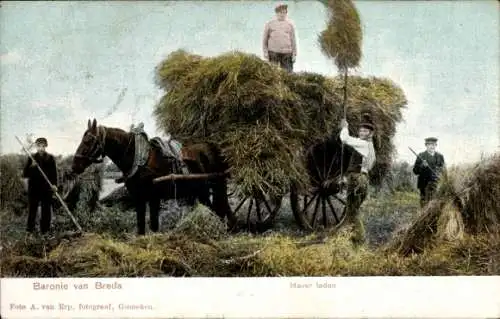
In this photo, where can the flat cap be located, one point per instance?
(280, 5)
(367, 125)
(431, 140)
(41, 141)
(366, 121)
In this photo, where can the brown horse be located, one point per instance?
(120, 146)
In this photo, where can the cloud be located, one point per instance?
(64, 131)
(11, 58)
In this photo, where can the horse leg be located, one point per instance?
(204, 194)
(221, 202)
(140, 209)
(154, 208)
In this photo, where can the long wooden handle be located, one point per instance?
(172, 177)
(48, 181)
(432, 171)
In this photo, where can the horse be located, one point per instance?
(141, 160)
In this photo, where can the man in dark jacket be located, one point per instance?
(39, 191)
(428, 166)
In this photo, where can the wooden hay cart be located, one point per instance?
(319, 206)
(322, 205)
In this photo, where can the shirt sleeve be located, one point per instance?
(27, 168)
(358, 144)
(52, 172)
(417, 166)
(265, 37)
(293, 39)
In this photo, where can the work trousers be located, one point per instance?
(35, 199)
(427, 193)
(284, 60)
(357, 190)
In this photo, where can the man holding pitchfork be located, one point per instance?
(39, 191)
(428, 166)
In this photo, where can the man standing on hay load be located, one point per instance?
(428, 166)
(362, 161)
(279, 41)
(39, 191)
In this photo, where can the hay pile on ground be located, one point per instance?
(466, 202)
(261, 117)
(198, 245)
(12, 190)
(174, 254)
(481, 198)
(80, 194)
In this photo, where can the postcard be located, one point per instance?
(250, 159)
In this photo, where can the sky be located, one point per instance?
(65, 62)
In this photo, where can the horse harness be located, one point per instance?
(142, 150)
(96, 156)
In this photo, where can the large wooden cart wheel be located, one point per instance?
(319, 208)
(258, 211)
(323, 206)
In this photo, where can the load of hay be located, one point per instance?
(262, 118)
(466, 203)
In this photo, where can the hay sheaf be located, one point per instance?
(481, 197)
(12, 190)
(83, 192)
(261, 117)
(342, 38)
(466, 202)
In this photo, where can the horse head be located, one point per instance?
(91, 148)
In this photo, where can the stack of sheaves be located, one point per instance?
(261, 117)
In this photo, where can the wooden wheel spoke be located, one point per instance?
(249, 210)
(260, 210)
(320, 175)
(268, 207)
(340, 199)
(304, 209)
(323, 206)
(257, 208)
(240, 204)
(330, 168)
(332, 209)
(316, 208)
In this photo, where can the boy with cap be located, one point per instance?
(279, 41)
(362, 161)
(39, 191)
(428, 166)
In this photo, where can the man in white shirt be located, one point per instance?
(279, 41)
(362, 161)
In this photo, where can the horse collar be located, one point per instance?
(141, 154)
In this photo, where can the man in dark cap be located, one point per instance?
(39, 190)
(362, 161)
(428, 166)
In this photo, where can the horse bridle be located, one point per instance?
(97, 154)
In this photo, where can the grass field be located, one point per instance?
(193, 242)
